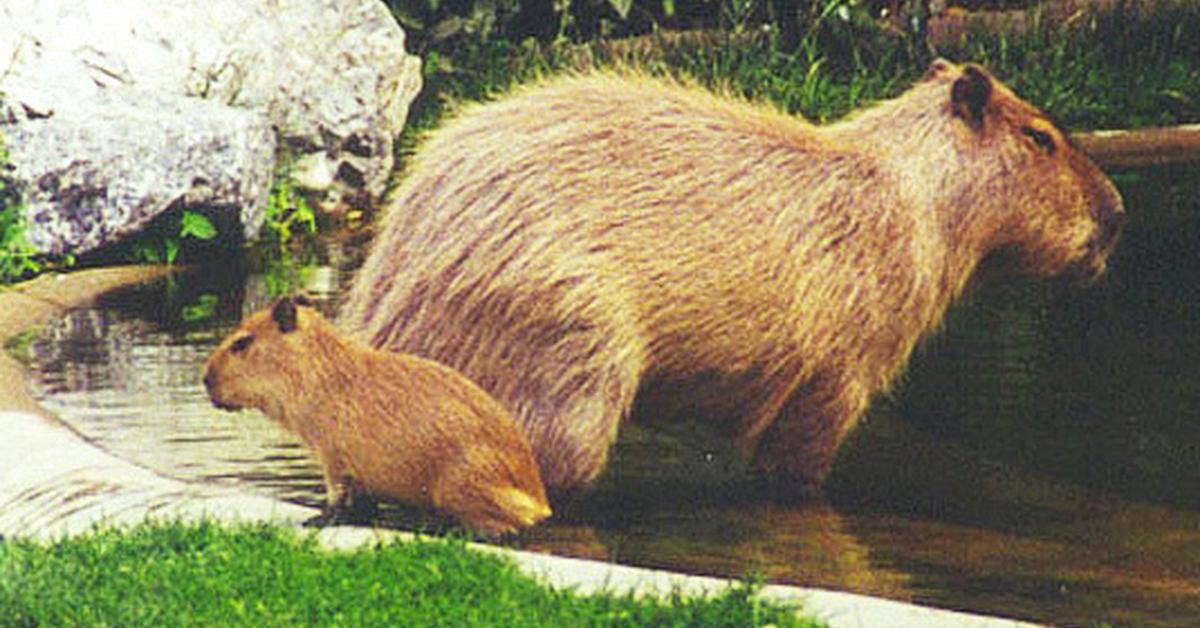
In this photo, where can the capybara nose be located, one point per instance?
(1111, 223)
(1111, 226)
(209, 381)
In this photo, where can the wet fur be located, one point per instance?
(603, 238)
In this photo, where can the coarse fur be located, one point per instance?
(608, 237)
(384, 425)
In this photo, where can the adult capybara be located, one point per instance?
(599, 237)
(384, 425)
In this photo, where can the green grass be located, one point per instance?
(207, 574)
(1116, 71)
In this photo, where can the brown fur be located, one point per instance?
(604, 236)
(384, 425)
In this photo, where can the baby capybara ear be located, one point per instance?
(970, 95)
(284, 314)
(937, 68)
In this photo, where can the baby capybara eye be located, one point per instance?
(241, 344)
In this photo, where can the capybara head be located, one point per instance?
(1058, 211)
(265, 362)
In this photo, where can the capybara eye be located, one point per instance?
(1043, 139)
(241, 344)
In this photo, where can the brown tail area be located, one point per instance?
(492, 511)
(525, 509)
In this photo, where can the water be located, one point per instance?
(1040, 459)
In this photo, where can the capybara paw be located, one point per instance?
(342, 515)
(319, 521)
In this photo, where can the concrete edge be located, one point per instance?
(65, 485)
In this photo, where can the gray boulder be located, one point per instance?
(116, 110)
(93, 175)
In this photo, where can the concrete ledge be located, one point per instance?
(56, 484)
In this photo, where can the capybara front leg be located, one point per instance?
(345, 502)
(796, 453)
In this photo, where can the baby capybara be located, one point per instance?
(384, 425)
(597, 238)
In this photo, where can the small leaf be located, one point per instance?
(204, 309)
(196, 226)
(621, 7)
(170, 250)
(143, 252)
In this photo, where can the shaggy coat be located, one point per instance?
(384, 425)
(609, 236)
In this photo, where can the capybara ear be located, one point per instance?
(938, 67)
(284, 314)
(970, 95)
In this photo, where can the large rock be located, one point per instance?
(117, 86)
(93, 175)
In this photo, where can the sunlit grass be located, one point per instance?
(208, 575)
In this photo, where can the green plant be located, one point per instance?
(286, 273)
(162, 243)
(18, 258)
(737, 15)
(446, 25)
(288, 212)
(1117, 69)
(204, 308)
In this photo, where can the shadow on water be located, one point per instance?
(1039, 460)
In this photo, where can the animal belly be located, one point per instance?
(712, 396)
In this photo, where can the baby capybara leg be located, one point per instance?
(346, 503)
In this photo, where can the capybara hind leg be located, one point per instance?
(484, 503)
(796, 453)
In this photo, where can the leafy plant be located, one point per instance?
(203, 309)
(18, 258)
(193, 225)
(445, 25)
(287, 212)
(163, 244)
(286, 274)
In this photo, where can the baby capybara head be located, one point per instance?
(1060, 212)
(264, 363)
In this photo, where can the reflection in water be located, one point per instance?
(1040, 459)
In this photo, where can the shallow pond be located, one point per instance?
(1040, 459)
